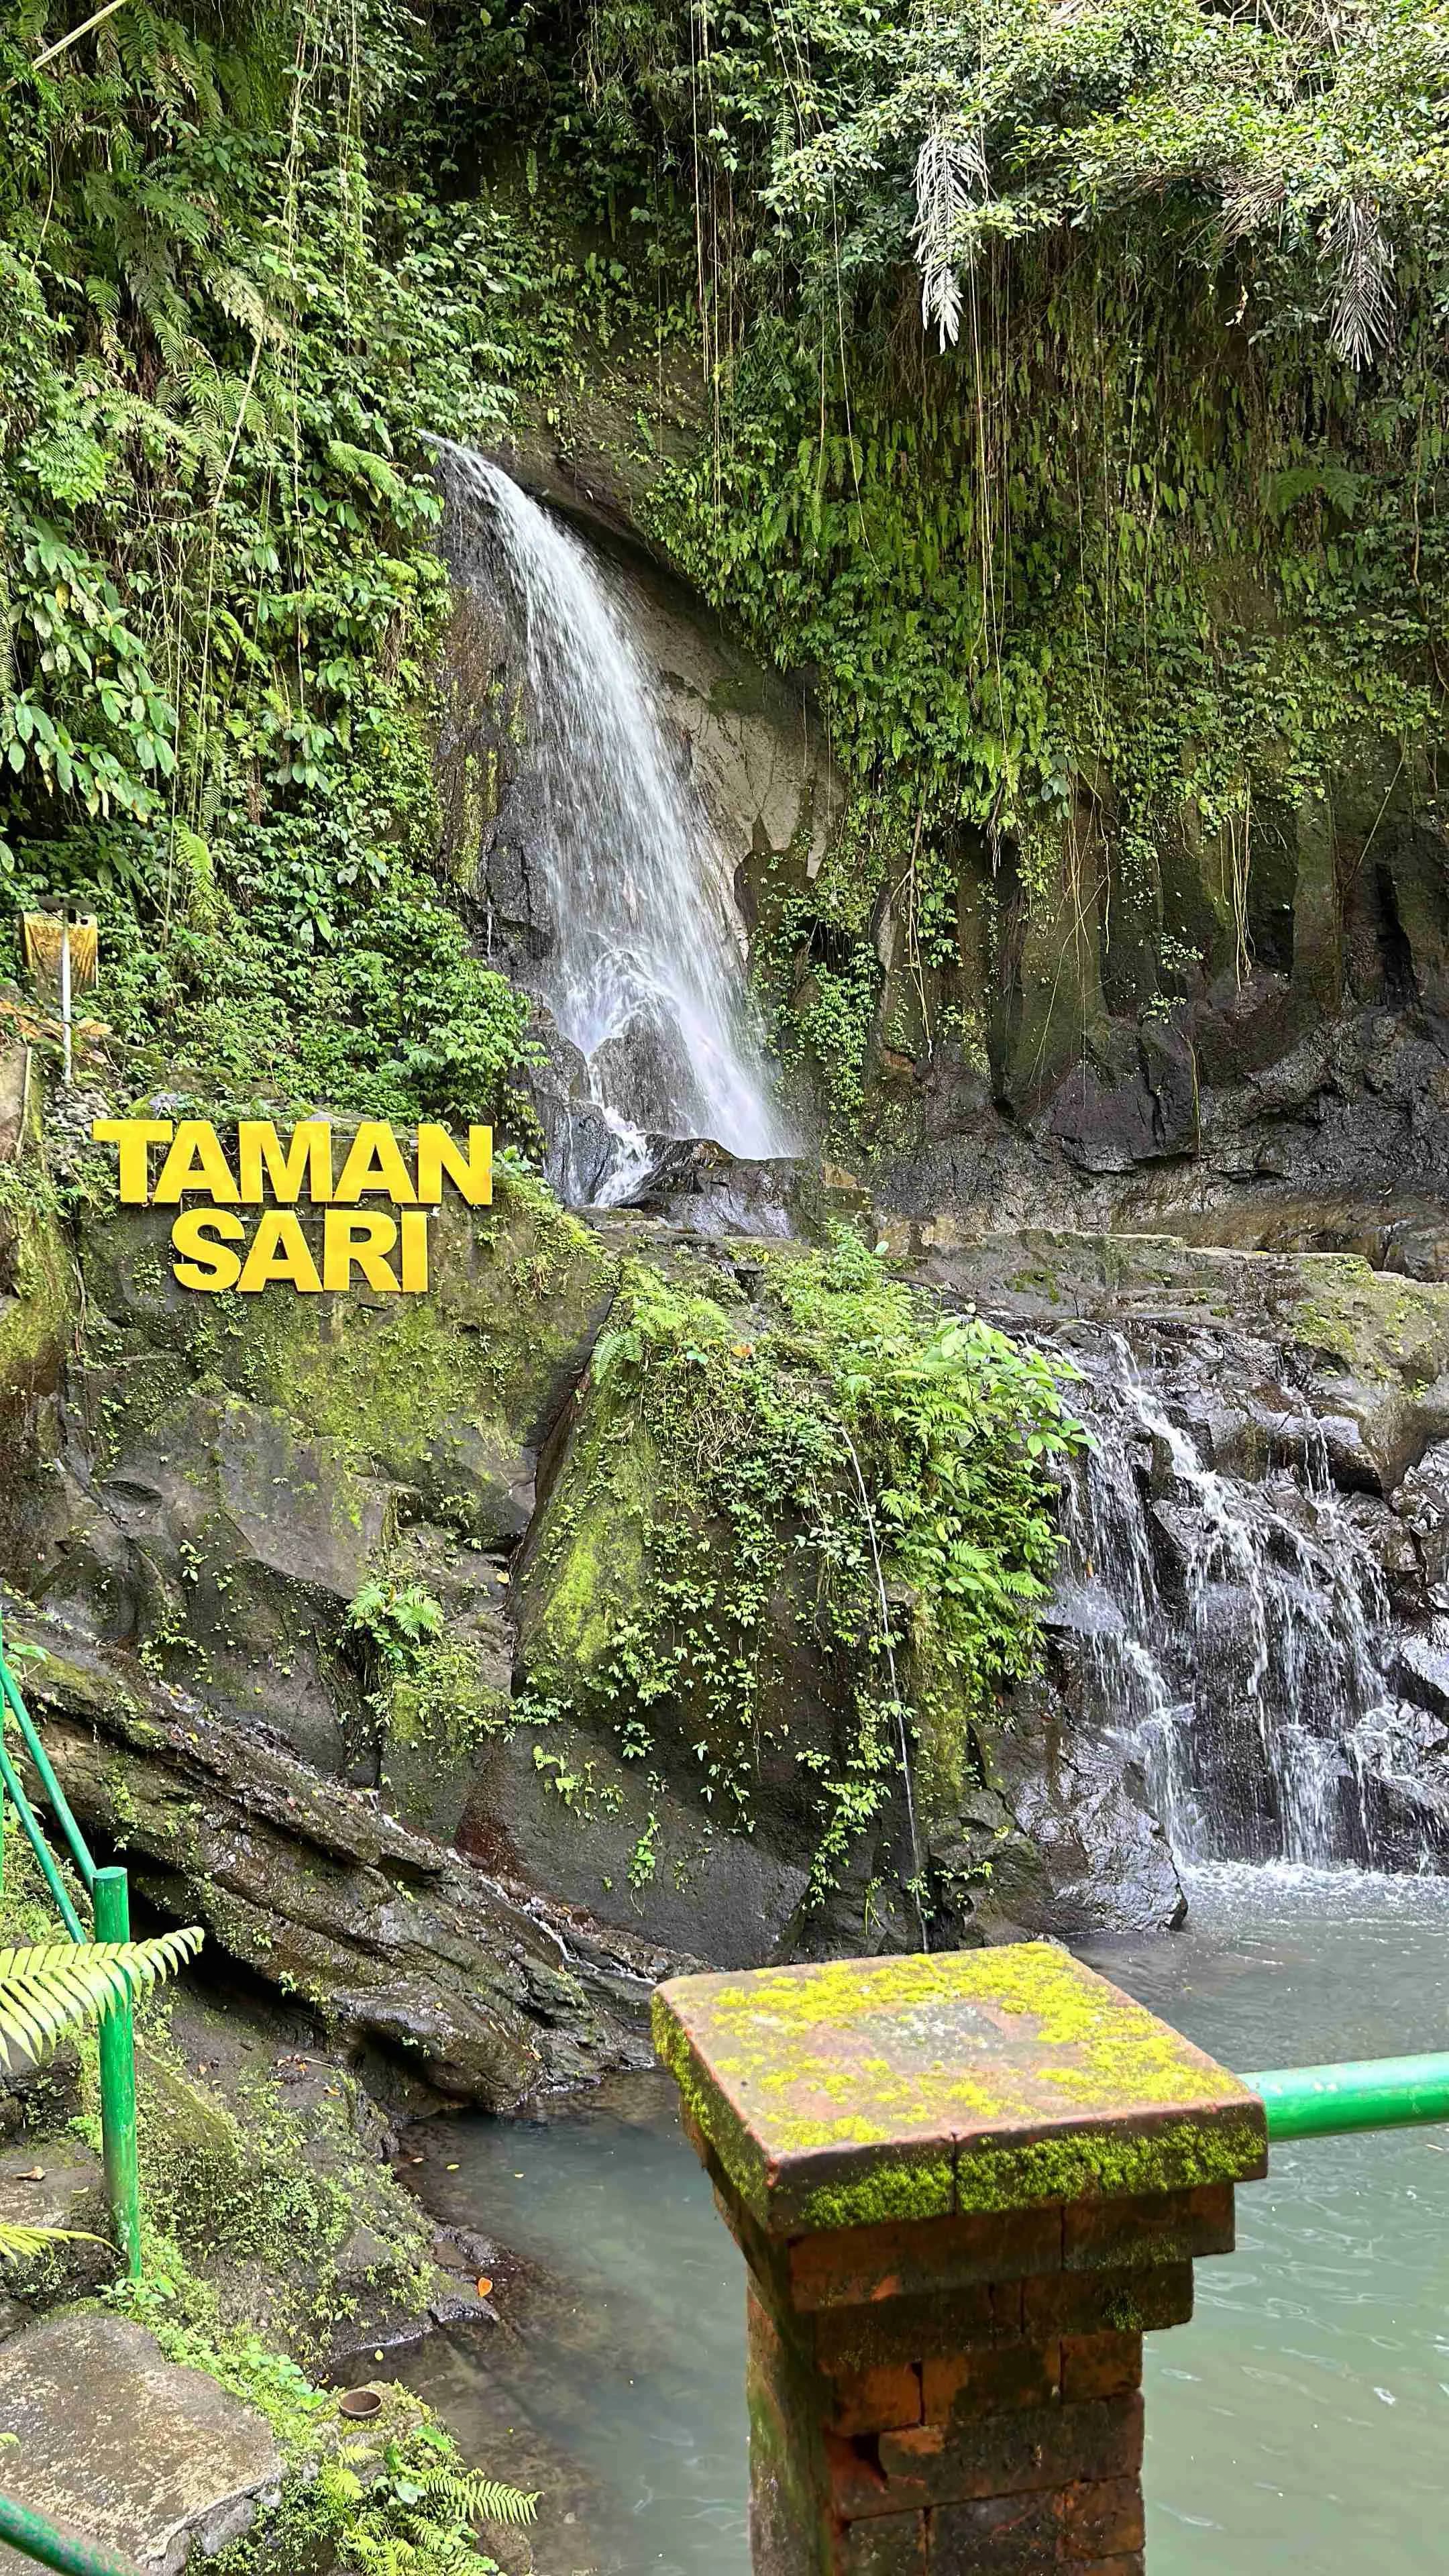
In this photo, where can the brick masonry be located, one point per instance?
(955, 2393)
(996, 2449)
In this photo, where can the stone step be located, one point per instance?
(118, 2445)
(56, 2182)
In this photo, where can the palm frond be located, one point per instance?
(52, 1988)
(1361, 318)
(951, 178)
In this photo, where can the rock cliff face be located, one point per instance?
(1241, 1031)
(1254, 1592)
(203, 1489)
(449, 1868)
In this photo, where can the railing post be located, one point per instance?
(118, 2080)
(965, 2186)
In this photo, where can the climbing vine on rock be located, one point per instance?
(820, 1473)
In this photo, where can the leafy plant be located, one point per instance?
(848, 1468)
(415, 2520)
(394, 1621)
(56, 1987)
(225, 332)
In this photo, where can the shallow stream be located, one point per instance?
(1301, 2422)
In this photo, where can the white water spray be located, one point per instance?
(644, 973)
(1237, 1632)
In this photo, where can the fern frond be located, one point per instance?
(467, 2495)
(50, 1989)
(21, 2244)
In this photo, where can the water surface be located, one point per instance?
(1301, 2422)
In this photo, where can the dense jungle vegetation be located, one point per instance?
(1070, 396)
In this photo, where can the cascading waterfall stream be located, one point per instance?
(644, 972)
(1237, 1631)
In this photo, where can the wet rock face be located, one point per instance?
(1249, 1651)
(609, 764)
(231, 1482)
(745, 738)
(39, 1303)
(1339, 1143)
(1253, 1598)
(313, 1886)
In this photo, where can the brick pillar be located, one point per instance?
(965, 2187)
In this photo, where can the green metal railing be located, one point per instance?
(31, 2533)
(1364, 2093)
(34, 2537)
(109, 1893)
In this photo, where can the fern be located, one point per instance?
(51, 1989)
(417, 2521)
(465, 2495)
(22, 2244)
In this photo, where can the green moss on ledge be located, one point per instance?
(1379, 1327)
(863, 2090)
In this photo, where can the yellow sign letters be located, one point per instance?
(217, 1249)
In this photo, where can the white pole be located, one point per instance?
(65, 995)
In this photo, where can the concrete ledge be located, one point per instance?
(127, 2449)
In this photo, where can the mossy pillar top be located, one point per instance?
(875, 2089)
(965, 2187)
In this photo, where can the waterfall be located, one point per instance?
(642, 967)
(1239, 1633)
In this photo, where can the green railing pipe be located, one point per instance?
(1367, 2093)
(117, 2039)
(34, 2537)
(110, 1899)
(38, 1844)
(55, 1795)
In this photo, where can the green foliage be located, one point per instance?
(845, 1467)
(49, 1990)
(1144, 535)
(425, 1685)
(395, 1621)
(443, 1700)
(228, 326)
(406, 2512)
(416, 2517)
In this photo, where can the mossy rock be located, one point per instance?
(451, 1393)
(39, 1312)
(38, 1300)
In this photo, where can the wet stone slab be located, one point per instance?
(861, 2091)
(125, 2449)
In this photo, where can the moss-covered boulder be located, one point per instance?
(252, 1460)
(773, 1612)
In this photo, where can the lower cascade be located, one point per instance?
(644, 970)
(1241, 1631)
